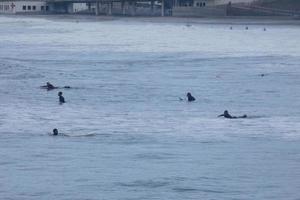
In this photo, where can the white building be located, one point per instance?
(203, 3)
(79, 7)
(13, 7)
(38, 7)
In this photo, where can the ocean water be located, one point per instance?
(127, 76)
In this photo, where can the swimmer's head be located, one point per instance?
(60, 93)
(188, 94)
(55, 131)
(225, 112)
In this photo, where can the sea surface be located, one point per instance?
(129, 135)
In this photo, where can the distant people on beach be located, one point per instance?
(61, 98)
(227, 115)
(49, 86)
(190, 97)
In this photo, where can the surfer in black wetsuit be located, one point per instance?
(227, 115)
(49, 86)
(61, 98)
(55, 132)
(190, 97)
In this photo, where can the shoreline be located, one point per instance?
(232, 20)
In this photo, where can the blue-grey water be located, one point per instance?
(127, 76)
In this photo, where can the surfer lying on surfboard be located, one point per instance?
(56, 133)
(227, 115)
(49, 86)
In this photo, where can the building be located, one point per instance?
(204, 8)
(14, 7)
(68, 7)
(39, 7)
(204, 3)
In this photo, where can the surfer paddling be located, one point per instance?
(56, 133)
(49, 86)
(228, 116)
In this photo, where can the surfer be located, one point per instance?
(190, 97)
(227, 115)
(55, 132)
(49, 86)
(61, 98)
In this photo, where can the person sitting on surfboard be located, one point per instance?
(227, 115)
(190, 97)
(61, 98)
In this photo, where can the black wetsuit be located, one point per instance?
(50, 87)
(61, 99)
(227, 115)
(190, 98)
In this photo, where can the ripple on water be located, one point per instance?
(144, 184)
(155, 156)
